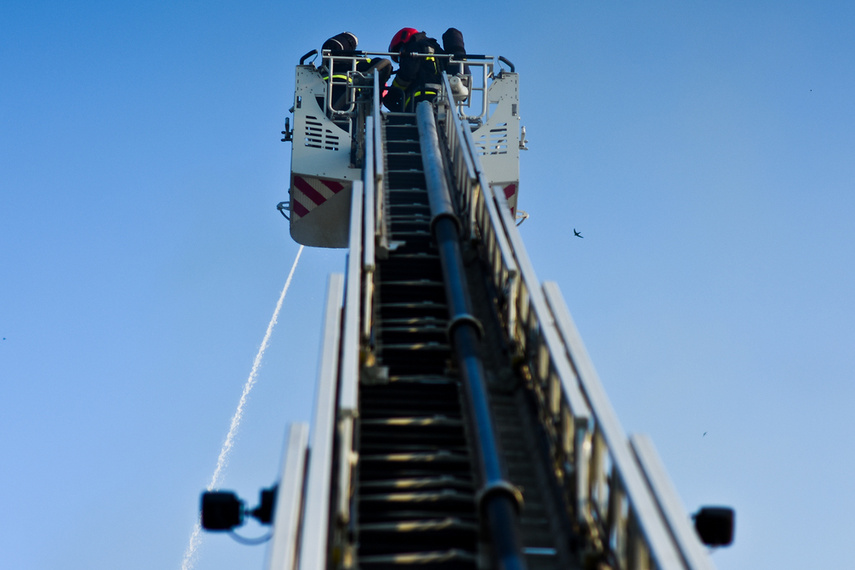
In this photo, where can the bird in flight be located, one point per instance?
(577, 234)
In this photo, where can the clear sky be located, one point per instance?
(705, 150)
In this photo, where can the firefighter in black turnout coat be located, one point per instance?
(345, 44)
(418, 78)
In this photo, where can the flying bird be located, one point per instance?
(577, 234)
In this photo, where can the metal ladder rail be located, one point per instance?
(314, 525)
(561, 408)
(548, 538)
(586, 442)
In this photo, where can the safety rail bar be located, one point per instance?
(367, 216)
(605, 484)
(369, 181)
(329, 58)
(564, 411)
(379, 232)
(368, 244)
(358, 309)
(381, 227)
(485, 63)
(375, 223)
(476, 209)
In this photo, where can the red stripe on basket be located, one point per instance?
(336, 187)
(310, 192)
(299, 208)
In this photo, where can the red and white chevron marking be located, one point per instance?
(510, 190)
(307, 193)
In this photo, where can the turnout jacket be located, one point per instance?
(419, 77)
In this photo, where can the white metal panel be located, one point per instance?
(315, 527)
(320, 147)
(326, 225)
(282, 553)
(320, 161)
(497, 141)
(348, 400)
(350, 342)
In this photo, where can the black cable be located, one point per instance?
(250, 541)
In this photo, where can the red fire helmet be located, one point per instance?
(401, 38)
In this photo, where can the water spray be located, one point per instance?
(222, 460)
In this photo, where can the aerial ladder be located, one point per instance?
(459, 422)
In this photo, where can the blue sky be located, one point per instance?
(704, 150)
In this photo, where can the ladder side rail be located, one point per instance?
(463, 175)
(314, 543)
(630, 503)
(504, 268)
(282, 553)
(350, 337)
(462, 163)
(485, 217)
(348, 401)
(369, 232)
(563, 406)
(382, 235)
(369, 183)
(484, 221)
(567, 413)
(374, 230)
(669, 503)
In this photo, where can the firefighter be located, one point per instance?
(345, 44)
(418, 78)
